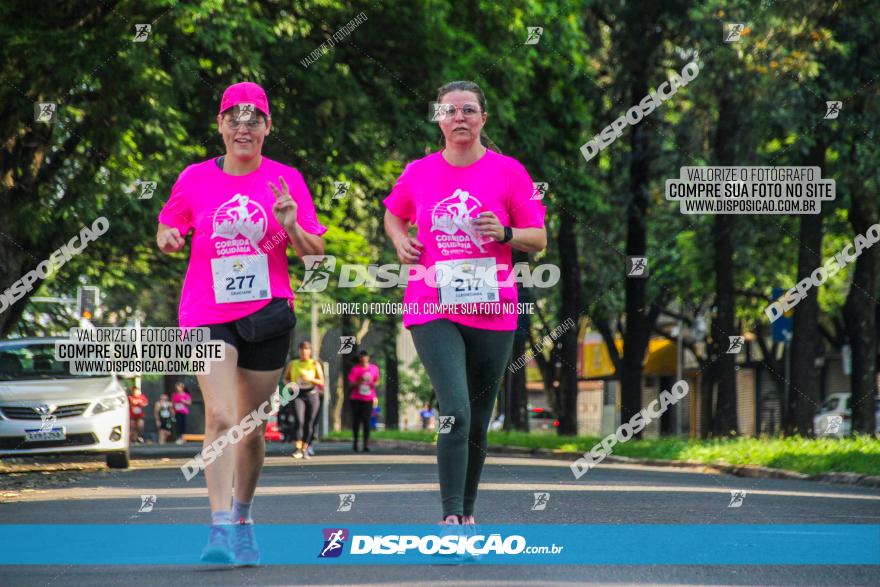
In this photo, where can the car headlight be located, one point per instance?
(109, 404)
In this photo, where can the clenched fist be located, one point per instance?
(169, 240)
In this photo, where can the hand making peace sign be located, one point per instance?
(285, 207)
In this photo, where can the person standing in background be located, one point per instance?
(308, 375)
(362, 379)
(181, 401)
(163, 413)
(427, 416)
(136, 404)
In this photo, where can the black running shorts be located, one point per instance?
(257, 356)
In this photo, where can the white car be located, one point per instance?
(835, 416)
(46, 410)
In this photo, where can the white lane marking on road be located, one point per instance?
(187, 492)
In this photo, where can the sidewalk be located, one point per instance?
(189, 449)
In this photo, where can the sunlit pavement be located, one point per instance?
(391, 488)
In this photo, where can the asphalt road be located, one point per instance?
(395, 488)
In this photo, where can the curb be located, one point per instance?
(750, 471)
(189, 450)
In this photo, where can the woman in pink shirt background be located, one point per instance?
(242, 211)
(181, 401)
(470, 205)
(362, 380)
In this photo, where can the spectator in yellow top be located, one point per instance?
(307, 373)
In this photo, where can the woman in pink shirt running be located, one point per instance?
(242, 211)
(471, 205)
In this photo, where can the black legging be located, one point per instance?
(360, 416)
(465, 365)
(306, 406)
(181, 424)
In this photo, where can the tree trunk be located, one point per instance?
(861, 302)
(724, 420)
(341, 411)
(707, 399)
(565, 348)
(806, 339)
(14, 263)
(861, 327)
(516, 400)
(723, 325)
(516, 405)
(638, 39)
(392, 382)
(637, 330)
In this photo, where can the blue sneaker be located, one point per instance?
(471, 530)
(451, 526)
(244, 544)
(217, 549)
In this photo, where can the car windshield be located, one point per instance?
(830, 404)
(34, 360)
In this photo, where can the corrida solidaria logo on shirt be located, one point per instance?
(454, 215)
(241, 223)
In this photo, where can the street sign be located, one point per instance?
(782, 327)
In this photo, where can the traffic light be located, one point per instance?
(87, 301)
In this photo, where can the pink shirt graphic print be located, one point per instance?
(443, 201)
(238, 255)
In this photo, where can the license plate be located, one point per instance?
(38, 435)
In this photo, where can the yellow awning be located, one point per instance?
(661, 357)
(596, 362)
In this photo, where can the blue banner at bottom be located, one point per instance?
(362, 544)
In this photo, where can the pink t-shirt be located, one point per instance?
(363, 390)
(231, 217)
(179, 400)
(442, 200)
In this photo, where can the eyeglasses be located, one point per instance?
(249, 125)
(448, 111)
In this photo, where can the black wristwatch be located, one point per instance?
(508, 234)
